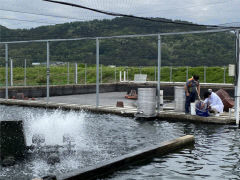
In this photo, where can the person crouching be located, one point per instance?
(213, 102)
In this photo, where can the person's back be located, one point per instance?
(216, 99)
(215, 102)
(192, 90)
(192, 85)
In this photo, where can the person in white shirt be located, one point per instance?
(214, 102)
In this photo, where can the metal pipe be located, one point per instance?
(85, 74)
(115, 74)
(159, 73)
(122, 36)
(205, 72)
(67, 72)
(48, 71)
(171, 74)
(224, 75)
(97, 72)
(11, 72)
(187, 74)
(155, 73)
(101, 73)
(127, 74)
(124, 76)
(238, 80)
(76, 73)
(6, 71)
(25, 72)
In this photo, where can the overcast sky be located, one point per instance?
(212, 12)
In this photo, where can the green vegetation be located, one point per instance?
(37, 75)
(213, 49)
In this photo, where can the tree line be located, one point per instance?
(213, 49)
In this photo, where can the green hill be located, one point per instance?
(214, 49)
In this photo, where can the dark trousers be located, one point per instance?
(189, 99)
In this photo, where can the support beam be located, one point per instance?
(67, 72)
(76, 73)
(97, 72)
(11, 72)
(25, 72)
(6, 71)
(48, 71)
(85, 74)
(205, 74)
(224, 74)
(120, 76)
(115, 74)
(101, 74)
(237, 79)
(155, 73)
(159, 73)
(170, 74)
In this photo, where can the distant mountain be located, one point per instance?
(215, 49)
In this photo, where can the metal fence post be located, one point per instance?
(67, 72)
(85, 74)
(6, 71)
(205, 69)
(115, 74)
(155, 73)
(170, 74)
(101, 73)
(48, 70)
(224, 75)
(25, 72)
(11, 72)
(187, 74)
(159, 73)
(97, 72)
(76, 73)
(127, 74)
(238, 78)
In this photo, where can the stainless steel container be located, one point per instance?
(179, 98)
(146, 105)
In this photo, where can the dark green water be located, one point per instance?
(103, 137)
(215, 155)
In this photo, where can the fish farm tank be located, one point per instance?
(82, 139)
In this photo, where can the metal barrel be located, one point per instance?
(179, 98)
(147, 102)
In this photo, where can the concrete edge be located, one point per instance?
(196, 119)
(109, 167)
(172, 117)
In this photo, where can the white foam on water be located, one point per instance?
(53, 125)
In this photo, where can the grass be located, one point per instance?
(59, 74)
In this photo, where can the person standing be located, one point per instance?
(192, 90)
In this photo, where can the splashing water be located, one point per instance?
(53, 125)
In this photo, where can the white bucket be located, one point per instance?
(193, 108)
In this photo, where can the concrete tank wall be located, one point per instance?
(40, 91)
